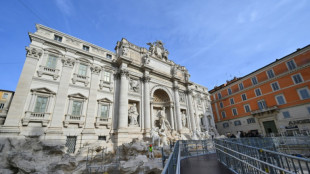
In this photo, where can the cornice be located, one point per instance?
(39, 26)
(66, 47)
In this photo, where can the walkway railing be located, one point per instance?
(184, 149)
(245, 159)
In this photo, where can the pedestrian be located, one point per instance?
(151, 153)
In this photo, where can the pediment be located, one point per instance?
(77, 95)
(105, 100)
(43, 90)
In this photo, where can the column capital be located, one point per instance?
(176, 87)
(68, 62)
(34, 52)
(123, 72)
(95, 69)
(146, 79)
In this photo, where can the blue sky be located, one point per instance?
(215, 39)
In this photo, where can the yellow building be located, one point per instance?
(5, 102)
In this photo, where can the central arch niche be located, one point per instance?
(161, 99)
(160, 96)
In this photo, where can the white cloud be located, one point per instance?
(65, 7)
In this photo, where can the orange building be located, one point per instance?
(273, 99)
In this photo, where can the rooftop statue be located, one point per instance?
(157, 49)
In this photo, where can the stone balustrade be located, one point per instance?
(30, 116)
(80, 78)
(74, 119)
(103, 122)
(44, 70)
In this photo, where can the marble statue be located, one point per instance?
(163, 138)
(134, 85)
(163, 122)
(155, 137)
(133, 115)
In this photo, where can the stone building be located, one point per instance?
(274, 99)
(78, 92)
(5, 102)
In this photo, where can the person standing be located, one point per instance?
(151, 153)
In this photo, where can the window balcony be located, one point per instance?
(30, 116)
(44, 70)
(80, 78)
(74, 119)
(268, 110)
(103, 122)
(104, 84)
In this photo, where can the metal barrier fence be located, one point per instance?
(184, 149)
(245, 159)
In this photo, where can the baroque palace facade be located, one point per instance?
(75, 91)
(274, 99)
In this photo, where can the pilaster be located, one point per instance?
(191, 109)
(177, 106)
(92, 100)
(16, 111)
(56, 125)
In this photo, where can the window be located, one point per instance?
(237, 123)
(104, 112)
(254, 80)
(275, 86)
(106, 76)
(304, 93)
(234, 111)
(41, 103)
(291, 65)
(286, 114)
(58, 38)
(221, 105)
(223, 114)
(297, 78)
(109, 56)
(51, 62)
(219, 95)
(243, 96)
(103, 138)
(1, 105)
(5, 95)
(270, 73)
(229, 91)
(76, 108)
(250, 120)
(85, 48)
(280, 99)
(225, 125)
(247, 108)
(232, 101)
(262, 104)
(240, 86)
(258, 92)
(82, 70)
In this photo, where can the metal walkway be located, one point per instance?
(246, 156)
(204, 164)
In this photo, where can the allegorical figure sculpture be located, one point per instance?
(163, 122)
(133, 115)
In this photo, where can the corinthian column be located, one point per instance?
(92, 100)
(61, 97)
(123, 99)
(147, 112)
(22, 90)
(177, 106)
(191, 109)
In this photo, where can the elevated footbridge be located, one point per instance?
(244, 156)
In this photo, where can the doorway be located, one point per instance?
(270, 127)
